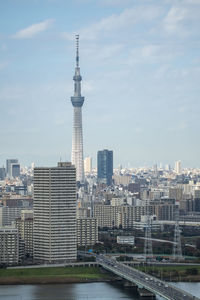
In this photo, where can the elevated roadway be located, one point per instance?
(143, 280)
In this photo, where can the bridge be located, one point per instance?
(143, 280)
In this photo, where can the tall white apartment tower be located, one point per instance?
(178, 167)
(77, 136)
(54, 232)
(88, 165)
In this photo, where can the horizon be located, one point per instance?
(140, 68)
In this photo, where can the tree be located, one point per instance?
(192, 271)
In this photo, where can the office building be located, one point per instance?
(9, 163)
(77, 136)
(54, 233)
(122, 179)
(88, 165)
(105, 166)
(15, 170)
(2, 173)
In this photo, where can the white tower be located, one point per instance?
(77, 137)
(88, 165)
(178, 167)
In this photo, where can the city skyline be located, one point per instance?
(141, 68)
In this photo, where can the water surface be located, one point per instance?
(79, 291)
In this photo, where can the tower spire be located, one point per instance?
(77, 50)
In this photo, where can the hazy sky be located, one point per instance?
(140, 63)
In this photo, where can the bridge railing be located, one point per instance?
(153, 284)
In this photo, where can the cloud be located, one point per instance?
(34, 29)
(107, 52)
(115, 22)
(182, 17)
(174, 18)
(154, 53)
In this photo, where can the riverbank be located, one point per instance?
(56, 275)
(53, 275)
(174, 273)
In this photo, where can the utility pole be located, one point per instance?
(148, 252)
(177, 250)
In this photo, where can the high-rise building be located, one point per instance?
(77, 137)
(2, 173)
(9, 246)
(9, 214)
(87, 231)
(54, 233)
(88, 165)
(178, 167)
(15, 170)
(105, 166)
(24, 224)
(9, 163)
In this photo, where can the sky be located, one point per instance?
(140, 64)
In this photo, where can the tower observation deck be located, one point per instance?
(77, 136)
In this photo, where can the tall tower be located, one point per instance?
(77, 136)
(178, 167)
(105, 166)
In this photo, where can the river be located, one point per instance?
(78, 291)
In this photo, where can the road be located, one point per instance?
(157, 286)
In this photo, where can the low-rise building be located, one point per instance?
(128, 240)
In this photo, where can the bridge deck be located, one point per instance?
(143, 280)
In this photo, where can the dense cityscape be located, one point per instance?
(89, 219)
(48, 215)
(109, 199)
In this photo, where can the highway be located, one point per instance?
(157, 286)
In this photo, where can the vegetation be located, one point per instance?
(190, 241)
(173, 273)
(60, 272)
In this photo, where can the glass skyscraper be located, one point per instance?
(105, 166)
